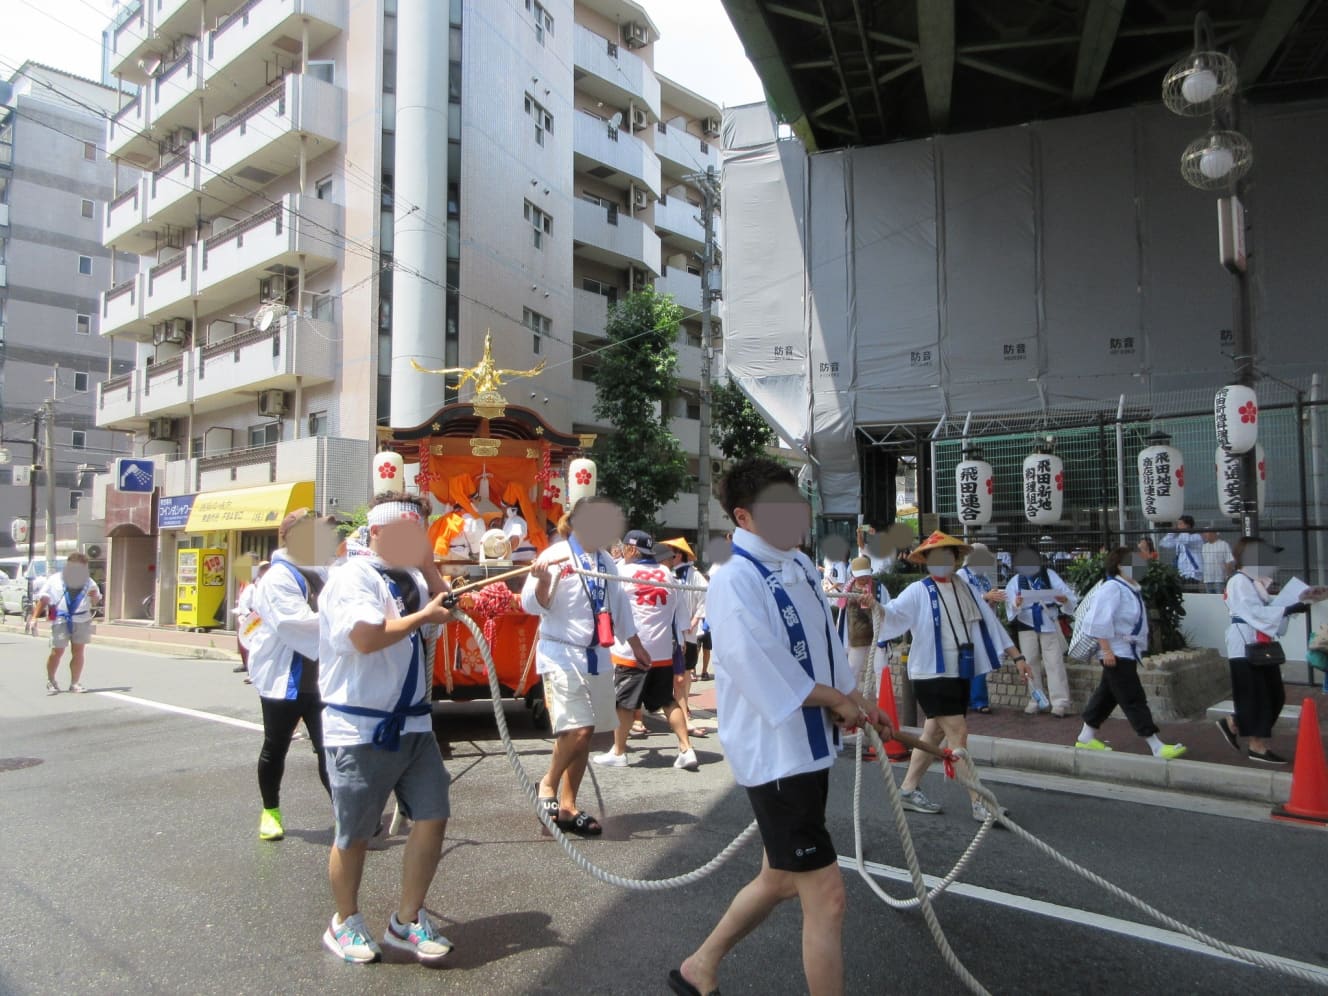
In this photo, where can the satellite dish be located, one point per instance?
(266, 316)
(615, 122)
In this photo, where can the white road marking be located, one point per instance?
(243, 724)
(1069, 914)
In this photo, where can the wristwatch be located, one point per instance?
(1016, 660)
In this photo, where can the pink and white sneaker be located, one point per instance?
(420, 939)
(351, 941)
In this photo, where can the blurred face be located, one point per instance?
(1210, 537)
(75, 575)
(596, 526)
(312, 543)
(400, 544)
(981, 563)
(1134, 567)
(1259, 561)
(940, 563)
(780, 516)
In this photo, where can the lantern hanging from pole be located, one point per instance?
(582, 480)
(1161, 480)
(1228, 481)
(18, 530)
(389, 472)
(1236, 412)
(1044, 485)
(975, 486)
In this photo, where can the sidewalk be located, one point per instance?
(1009, 739)
(216, 645)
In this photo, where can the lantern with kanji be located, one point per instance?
(1161, 480)
(389, 472)
(1228, 481)
(975, 486)
(1236, 412)
(1044, 485)
(582, 480)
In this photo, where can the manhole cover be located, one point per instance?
(15, 763)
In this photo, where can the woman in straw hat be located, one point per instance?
(955, 637)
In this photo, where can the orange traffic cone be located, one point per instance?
(1309, 778)
(885, 701)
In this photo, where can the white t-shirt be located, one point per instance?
(762, 686)
(356, 593)
(1115, 613)
(567, 626)
(655, 610)
(54, 592)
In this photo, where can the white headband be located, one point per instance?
(394, 511)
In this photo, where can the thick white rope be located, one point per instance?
(670, 585)
(583, 862)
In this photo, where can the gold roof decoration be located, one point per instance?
(487, 377)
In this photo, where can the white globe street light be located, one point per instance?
(1200, 85)
(1215, 163)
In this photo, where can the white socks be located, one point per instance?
(1087, 734)
(1155, 744)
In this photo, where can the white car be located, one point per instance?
(14, 583)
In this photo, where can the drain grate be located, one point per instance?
(15, 763)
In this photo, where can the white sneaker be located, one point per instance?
(419, 939)
(351, 941)
(77, 689)
(1031, 709)
(687, 760)
(52, 688)
(611, 760)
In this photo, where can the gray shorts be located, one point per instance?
(61, 637)
(364, 776)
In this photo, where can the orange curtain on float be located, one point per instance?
(456, 474)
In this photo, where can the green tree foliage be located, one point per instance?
(641, 464)
(736, 427)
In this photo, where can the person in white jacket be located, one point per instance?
(1256, 690)
(1118, 620)
(1037, 625)
(283, 667)
(955, 637)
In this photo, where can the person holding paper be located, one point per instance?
(1034, 600)
(1253, 652)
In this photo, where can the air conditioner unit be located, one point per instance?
(175, 331)
(179, 138)
(711, 127)
(273, 288)
(93, 551)
(640, 119)
(161, 429)
(640, 199)
(635, 35)
(272, 403)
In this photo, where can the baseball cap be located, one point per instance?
(640, 539)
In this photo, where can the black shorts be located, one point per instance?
(942, 696)
(790, 813)
(690, 656)
(703, 640)
(649, 690)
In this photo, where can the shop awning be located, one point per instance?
(248, 508)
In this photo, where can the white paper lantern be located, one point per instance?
(1044, 488)
(389, 472)
(582, 480)
(1228, 481)
(1236, 412)
(1161, 483)
(975, 485)
(18, 530)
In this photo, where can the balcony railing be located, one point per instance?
(277, 95)
(235, 233)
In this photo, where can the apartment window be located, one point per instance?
(323, 189)
(85, 265)
(599, 287)
(454, 82)
(542, 18)
(74, 498)
(268, 434)
(90, 151)
(543, 119)
(323, 69)
(541, 325)
(81, 382)
(85, 208)
(324, 308)
(540, 222)
(78, 439)
(196, 446)
(318, 423)
(83, 324)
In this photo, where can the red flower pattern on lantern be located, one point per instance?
(1249, 412)
(1180, 477)
(583, 477)
(991, 486)
(1263, 470)
(1060, 482)
(386, 471)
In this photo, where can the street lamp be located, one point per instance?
(1206, 82)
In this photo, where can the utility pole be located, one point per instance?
(710, 191)
(49, 462)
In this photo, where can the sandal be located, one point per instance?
(699, 731)
(582, 824)
(684, 988)
(549, 808)
(985, 710)
(639, 729)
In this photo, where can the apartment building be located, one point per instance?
(53, 179)
(322, 191)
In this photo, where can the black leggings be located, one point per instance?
(1120, 685)
(280, 718)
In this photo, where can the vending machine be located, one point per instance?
(200, 588)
